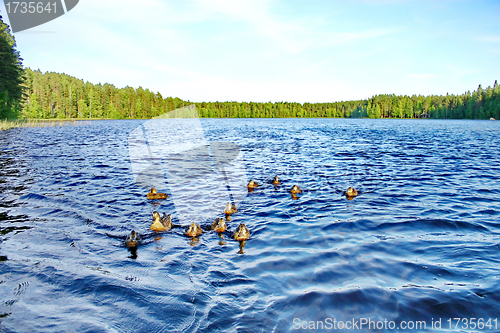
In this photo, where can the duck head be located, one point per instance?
(156, 217)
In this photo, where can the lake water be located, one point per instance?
(421, 242)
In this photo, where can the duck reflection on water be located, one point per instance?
(193, 241)
(242, 247)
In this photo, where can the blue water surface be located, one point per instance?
(420, 243)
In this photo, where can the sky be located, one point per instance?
(273, 50)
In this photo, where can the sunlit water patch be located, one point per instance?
(419, 243)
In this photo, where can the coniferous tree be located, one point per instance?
(11, 74)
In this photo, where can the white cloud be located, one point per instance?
(422, 76)
(252, 50)
(208, 88)
(489, 38)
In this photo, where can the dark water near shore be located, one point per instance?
(420, 242)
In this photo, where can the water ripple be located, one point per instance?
(420, 242)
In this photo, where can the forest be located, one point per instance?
(31, 94)
(53, 95)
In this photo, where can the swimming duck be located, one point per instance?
(133, 239)
(219, 225)
(230, 209)
(295, 189)
(152, 195)
(276, 180)
(252, 184)
(351, 192)
(241, 233)
(194, 230)
(161, 224)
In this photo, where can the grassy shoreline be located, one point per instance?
(10, 124)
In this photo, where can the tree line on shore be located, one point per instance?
(54, 95)
(31, 94)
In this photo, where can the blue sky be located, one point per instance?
(270, 50)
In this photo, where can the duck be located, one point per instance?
(230, 209)
(219, 225)
(295, 189)
(351, 193)
(276, 180)
(241, 233)
(252, 184)
(194, 230)
(161, 223)
(133, 240)
(153, 195)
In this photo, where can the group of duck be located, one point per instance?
(164, 223)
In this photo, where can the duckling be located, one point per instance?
(276, 180)
(230, 209)
(219, 225)
(241, 233)
(152, 195)
(351, 192)
(161, 224)
(252, 184)
(194, 230)
(295, 189)
(133, 239)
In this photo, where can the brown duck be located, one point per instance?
(161, 223)
(194, 230)
(219, 225)
(153, 195)
(241, 233)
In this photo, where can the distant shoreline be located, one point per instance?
(10, 124)
(54, 95)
